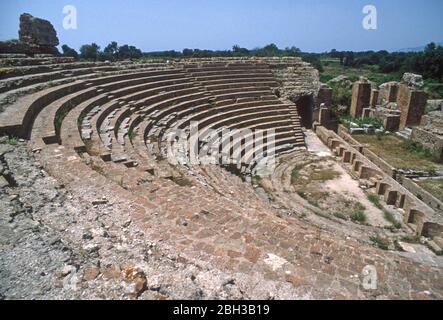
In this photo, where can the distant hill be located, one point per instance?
(417, 49)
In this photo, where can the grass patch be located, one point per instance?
(325, 175)
(132, 135)
(5, 71)
(396, 152)
(340, 94)
(379, 242)
(332, 69)
(390, 218)
(182, 181)
(98, 169)
(294, 176)
(256, 180)
(433, 186)
(434, 90)
(340, 216)
(359, 216)
(359, 207)
(143, 181)
(420, 150)
(302, 194)
(375, 201)
(412, 239)
(12, 141)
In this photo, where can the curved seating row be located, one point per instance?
(113, 115)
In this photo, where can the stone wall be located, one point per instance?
(324, 96)
(361, 96)
(374, 98)
(418, 216)
(412, 104)
(388, 92)
(425, 196)
(300, 84)
(429, 140)
(379, 162)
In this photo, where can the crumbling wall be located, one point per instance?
(35, 36)
(300, 83)
(412, 104)
(429, 140)
(425, 196)
(361, 97)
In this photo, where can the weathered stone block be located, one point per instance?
(429, 140)
(391, 123)
(374, 98)
(388, 92)
(366, 112)
(324, 116)
(361, 96)
(412, 104)
(36, 31)
(325, 96)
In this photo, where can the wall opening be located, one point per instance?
(305, 109)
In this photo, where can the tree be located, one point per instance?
(111, 51)
(89, 51)
(239, 51)
(271, 50)
(69, 52)
(129, 52)
(348, 59)
(188, 52)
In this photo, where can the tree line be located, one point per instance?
(429, 62)
(112, 52)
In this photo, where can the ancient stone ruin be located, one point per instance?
(115, 184)
(36, 36)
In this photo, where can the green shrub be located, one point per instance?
(419, 149)
(302, 194)
(411, 239)
(390, 218)
(341, 95)
(132, 135)
(13, 141)
(294, 176)
(358, 216)
(375, 200)
(325, 175)
(379, 242)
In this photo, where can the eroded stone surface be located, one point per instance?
(229, 245)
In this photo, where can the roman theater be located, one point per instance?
(201, 178)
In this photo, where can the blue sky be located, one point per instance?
(311, 25)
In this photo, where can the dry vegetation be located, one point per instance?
(391, 148)
(433, 186)
(308, 183)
